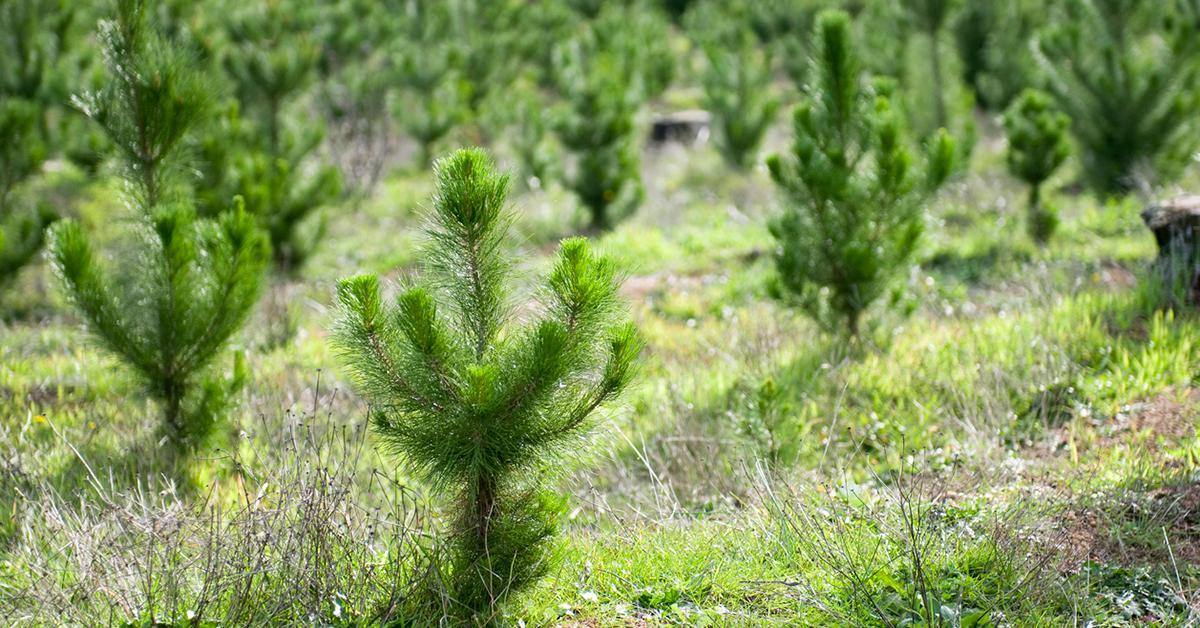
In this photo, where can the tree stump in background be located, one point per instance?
(1176, 227)
(684, 127)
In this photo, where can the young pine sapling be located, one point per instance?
(931, 17)
(184, 285)
(737, 92)
(1037, 146)
(271, 60)
(596, 127)
(853, 198)
(1127, 74)
(432, 95)
(478, 408)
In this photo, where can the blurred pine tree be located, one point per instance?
(21, 154)
(738, 94)
(1037, 146)
(1127, 73)
(264, 152)
(596, 125)
(854, 200)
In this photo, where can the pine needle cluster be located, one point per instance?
(477, 407)
(182, 286)
(853, 212)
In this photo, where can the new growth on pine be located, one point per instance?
(480, 407)
(853, 196)
(182, 286)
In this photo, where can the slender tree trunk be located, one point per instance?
(273, 127)
(485, 506)
(599, 217)
(1035, 214)
(173, 413)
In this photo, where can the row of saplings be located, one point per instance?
(476, 405)
(479, 408)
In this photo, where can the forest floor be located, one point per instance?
(1020, 449)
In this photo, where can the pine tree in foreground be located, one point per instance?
(596, 126)
(183, 286)
(1037, 146)
(737, 91)
(1127, 73)
(853, 198)
(479, 409)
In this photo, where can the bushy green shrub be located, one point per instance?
(1127, 73)
(183, 286)
(853, 198)
(479, 410)
(1037, 146)
(596, 126)
(737, 92)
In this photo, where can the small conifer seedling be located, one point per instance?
(1037, 146)
(1127, 73)
(853, 197)
(478, 408)
(271, 61)
(931, 17)
(183, 286)
(737, 91)
(596, 127)
(432, 95)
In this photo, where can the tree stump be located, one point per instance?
(684, 127)
(1176, 227)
